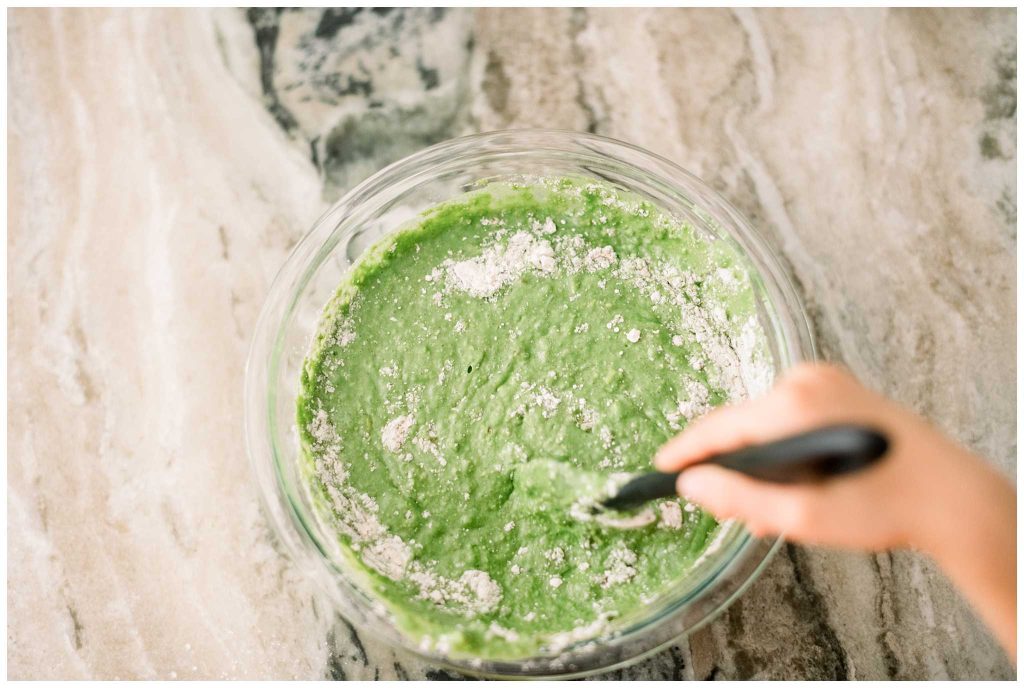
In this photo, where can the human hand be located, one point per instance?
(927, 491)
(905, 499)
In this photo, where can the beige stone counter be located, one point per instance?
(162, 163)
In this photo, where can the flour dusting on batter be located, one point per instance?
(519, 351)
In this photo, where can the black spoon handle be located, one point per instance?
(808, 457)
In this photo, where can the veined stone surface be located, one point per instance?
(163, 162)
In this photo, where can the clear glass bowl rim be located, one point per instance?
(792, 336)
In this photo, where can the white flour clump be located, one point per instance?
(498, 631)
(695, 403)
(345, 337)
(547, 400)
(600, 259)
(486, 593)
(394, 434)
(325, 438)
(499, 265)
(473, 593)
(757, 375)
(428, 444)
(560, 641)
(620, 567)
(586, 418)
(671, 515)
(389, 556)
(555, 556)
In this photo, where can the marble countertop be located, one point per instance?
(163, 163)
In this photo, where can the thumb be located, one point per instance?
(765, 508)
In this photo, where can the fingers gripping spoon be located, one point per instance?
(809, 457)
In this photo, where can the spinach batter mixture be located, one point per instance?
(483, 372)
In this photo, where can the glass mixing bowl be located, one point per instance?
(383, 203)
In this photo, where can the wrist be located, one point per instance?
(977, 551)
(971, 516)
(948, 505)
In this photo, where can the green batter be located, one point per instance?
(484, 372)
